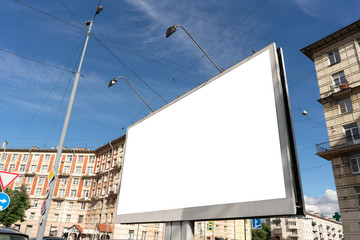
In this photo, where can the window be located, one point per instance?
(19, 179)
(143, 235)
(352, 134)
(87, 182)
(29, 179)
(28, 190)
(89, 170)
(66, 169)
(131, 234)
(69, 158)
(76, 181)
(12, 167)
(22, 168)
(357, 190)
(73, 193)
(4, 157)
(28, 229)
(225, 229)
(81, 218)
(85, 193)
(14, 157)
(156, 235)
(334, 57)
(355, 163)
(38, 191)
(58, 205)
(217, 228)
(33, 168)
(2, 166)
(63, 181)
(36, 157)
(25, 157)
(82, 206)
(41, 180)
(47, 157)
(62, 193)
(345, 105)
(71, 204)
(56, 217)
(68, 217)
(78, 169)
(32, 216)
(35, 203)
(92, 159)
(81, 159)
(44, 168)
(339, 78)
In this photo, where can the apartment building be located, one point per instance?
(336, 58)
(310, 227)
(85, 196)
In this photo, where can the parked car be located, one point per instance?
(48, 238)
(12, 234)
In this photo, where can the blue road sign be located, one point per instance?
(43, 208)
(4, 201)
(256, 223)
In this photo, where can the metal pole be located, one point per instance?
(43, 219)
(183, 230)
(200, 48)
(137, 93)
(111, 162)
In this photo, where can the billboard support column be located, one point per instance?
(183, 230)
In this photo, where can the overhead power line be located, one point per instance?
(34, 60)
(48, 14)
(126, 66)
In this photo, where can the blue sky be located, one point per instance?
(34, 96)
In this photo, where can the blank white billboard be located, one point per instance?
(221, 151)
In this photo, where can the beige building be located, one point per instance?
(85, 196)
(310, 227)
(337, 64)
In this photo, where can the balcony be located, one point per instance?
(338, 147)
(59, 197)
(30, 173)
(337, 92)
(64, 174)
(276, 220)
(292, 227)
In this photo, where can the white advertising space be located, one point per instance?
(218, 144)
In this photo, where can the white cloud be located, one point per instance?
(326, 205)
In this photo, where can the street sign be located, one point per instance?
(51, 175)
(6, 178)
(210, 226)
(4, 201)
(256, 223)
(43, 208)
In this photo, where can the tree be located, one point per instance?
(261, 234)
(19, 203)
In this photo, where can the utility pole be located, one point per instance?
(47, 202)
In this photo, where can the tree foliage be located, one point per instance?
(19, 203)
(261, 234)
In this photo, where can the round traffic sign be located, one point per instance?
(43, 208)
(4, 201)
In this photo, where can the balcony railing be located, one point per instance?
(338, 143)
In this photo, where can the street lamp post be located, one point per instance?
(172, 30)
(47, 202)
(113, 81)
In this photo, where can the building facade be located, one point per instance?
(85, 196)
(310, 227)
(337, 64)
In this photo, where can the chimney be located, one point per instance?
(4, 145)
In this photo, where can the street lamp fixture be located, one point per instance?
(173, 29)
(113, 81)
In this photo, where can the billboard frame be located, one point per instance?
(292, 204)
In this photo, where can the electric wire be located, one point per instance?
(50, 15)
(34, 60)
(73, 15)
(42, 19)
(226, 35)
(127, 67)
